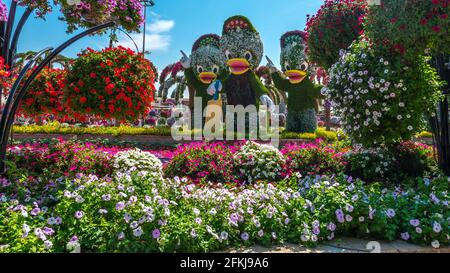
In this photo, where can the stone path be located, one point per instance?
(346, 245)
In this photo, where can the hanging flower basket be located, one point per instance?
(112, 83)
(89, 13)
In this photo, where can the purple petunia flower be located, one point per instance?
(79, 214)
(120, 206)
(405, 236)
(224, 235)
(35, 211)
(414, 222)
(260, 233)
(245, 236)
(316, 230)
(156, 234)
(138, 232)
(349, 208)
(437, 227)
(340, 215)
(234, 218)
(331, 227)
(390, 213)
(286, 221)
(193, 233)
(106, 197)
(48, 231)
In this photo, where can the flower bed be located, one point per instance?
(125, 204)
(136, 213)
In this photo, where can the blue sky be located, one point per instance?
(175, 24)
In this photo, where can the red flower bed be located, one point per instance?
(112, 83)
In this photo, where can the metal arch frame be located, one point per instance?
(12, 98)
(8, 115)
(129, 36)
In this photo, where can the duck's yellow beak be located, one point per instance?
(238, 66)
(295, 76)
(207, 77)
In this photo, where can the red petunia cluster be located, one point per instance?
(45, 94)
(112, 83)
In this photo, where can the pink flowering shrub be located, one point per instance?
(200, 161)
(68, 158)
(313, 158)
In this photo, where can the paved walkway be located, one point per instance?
(346, 245)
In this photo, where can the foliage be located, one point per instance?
(409, 27)
(321, 133)
(381, 101)
(112, 83)
(397, 165)
(61, 128)
(335, 26)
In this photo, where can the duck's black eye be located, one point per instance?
(248, 56)
(215, 69)
(287, 67)
(228, 55)
(304, 66)
(199, 69)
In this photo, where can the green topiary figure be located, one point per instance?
(302, 92)
(206, 65)
(243, 50)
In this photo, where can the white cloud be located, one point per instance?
(161, 26)
(153, 42)
(157, 36)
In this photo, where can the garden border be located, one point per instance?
(151, 139)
